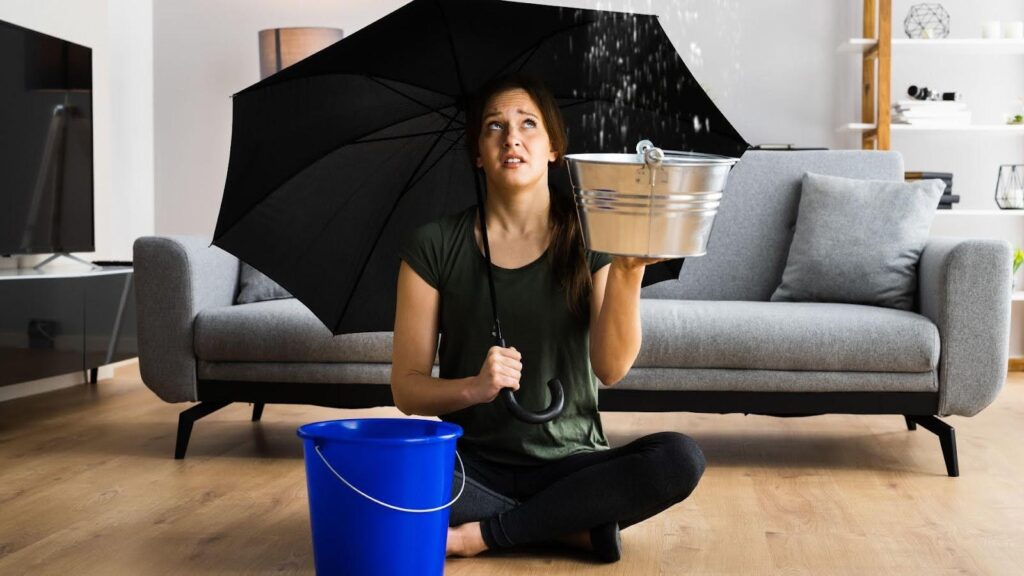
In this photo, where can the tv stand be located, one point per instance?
(65, 254)
(65, 320)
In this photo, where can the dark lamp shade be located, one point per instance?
(282, 47)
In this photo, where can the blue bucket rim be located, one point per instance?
(306, 432)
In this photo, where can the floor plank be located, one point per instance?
(88, 486)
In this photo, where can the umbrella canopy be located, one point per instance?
(335, 160)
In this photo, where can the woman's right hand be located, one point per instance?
(502, 368)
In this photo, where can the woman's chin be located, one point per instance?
(515, 179)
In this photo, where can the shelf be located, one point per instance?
(941, 45)
(996, 212)
(1006, 128)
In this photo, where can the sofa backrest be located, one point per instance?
(750, 239)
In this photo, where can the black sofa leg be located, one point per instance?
(947, 439)
(257, 411)
(185, 421)
(911, 425)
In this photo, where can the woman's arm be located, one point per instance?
(414, 390)
(615, 317)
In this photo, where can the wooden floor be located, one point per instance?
(88, 486)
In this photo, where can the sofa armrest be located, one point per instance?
(175, 278)
(964, 288)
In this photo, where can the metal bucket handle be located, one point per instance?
(462, 467)
(654, 156)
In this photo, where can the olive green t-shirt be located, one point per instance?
(535, 319)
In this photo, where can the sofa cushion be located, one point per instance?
(858, 241)
(281, 331)
(750, 239)
(785, 336)
(255, 286)
(734, 380)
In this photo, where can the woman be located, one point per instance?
(566, 313)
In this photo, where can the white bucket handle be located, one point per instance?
(385, 504)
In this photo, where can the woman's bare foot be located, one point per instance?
(465, 540)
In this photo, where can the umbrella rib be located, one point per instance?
(380, 231)
(536, 46)
(411, 135)
(436, 162)
(410, 98)
(455, 54)
(357, 140)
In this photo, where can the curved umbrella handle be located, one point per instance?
(552, 411)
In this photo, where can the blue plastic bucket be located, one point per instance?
(379, 494)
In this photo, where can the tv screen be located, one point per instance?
(46, 157)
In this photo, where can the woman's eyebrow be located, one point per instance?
(496, 113)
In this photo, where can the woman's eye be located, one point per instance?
(494, 126)
(530, 123)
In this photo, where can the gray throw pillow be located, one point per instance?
(858, 241)
(254, 286)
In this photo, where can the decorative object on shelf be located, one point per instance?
(926, 21)
(1010, 187)
(991, 29)
(947, 199)
(282, 47)
(1016, 118)
(925, 93)
(1013, 30)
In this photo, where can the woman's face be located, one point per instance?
(514, 145)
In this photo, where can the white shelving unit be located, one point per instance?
(1006, 128)
(877, 49)
(939, 45)
(984, 213)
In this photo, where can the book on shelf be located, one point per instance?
(924, 175)
(946, 177)
(930, 105)
(930, 113)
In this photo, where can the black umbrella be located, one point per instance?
(335, 159)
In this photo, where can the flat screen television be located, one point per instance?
(46, 152)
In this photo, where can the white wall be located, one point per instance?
(131, 94)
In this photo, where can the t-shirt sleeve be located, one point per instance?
(422, 251)
(597, 260)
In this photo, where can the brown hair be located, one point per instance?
(566, 253)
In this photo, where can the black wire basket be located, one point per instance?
(1010, 187)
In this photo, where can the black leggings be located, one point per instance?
(530, 504)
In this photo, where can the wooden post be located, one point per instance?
(867, 71)
(884, 73)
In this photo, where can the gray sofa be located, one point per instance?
(712, 340)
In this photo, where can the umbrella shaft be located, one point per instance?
(500, 341)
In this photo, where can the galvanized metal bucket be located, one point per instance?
(655, 203)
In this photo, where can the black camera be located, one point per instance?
(923, 93)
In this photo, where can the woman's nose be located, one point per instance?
(512, 137)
